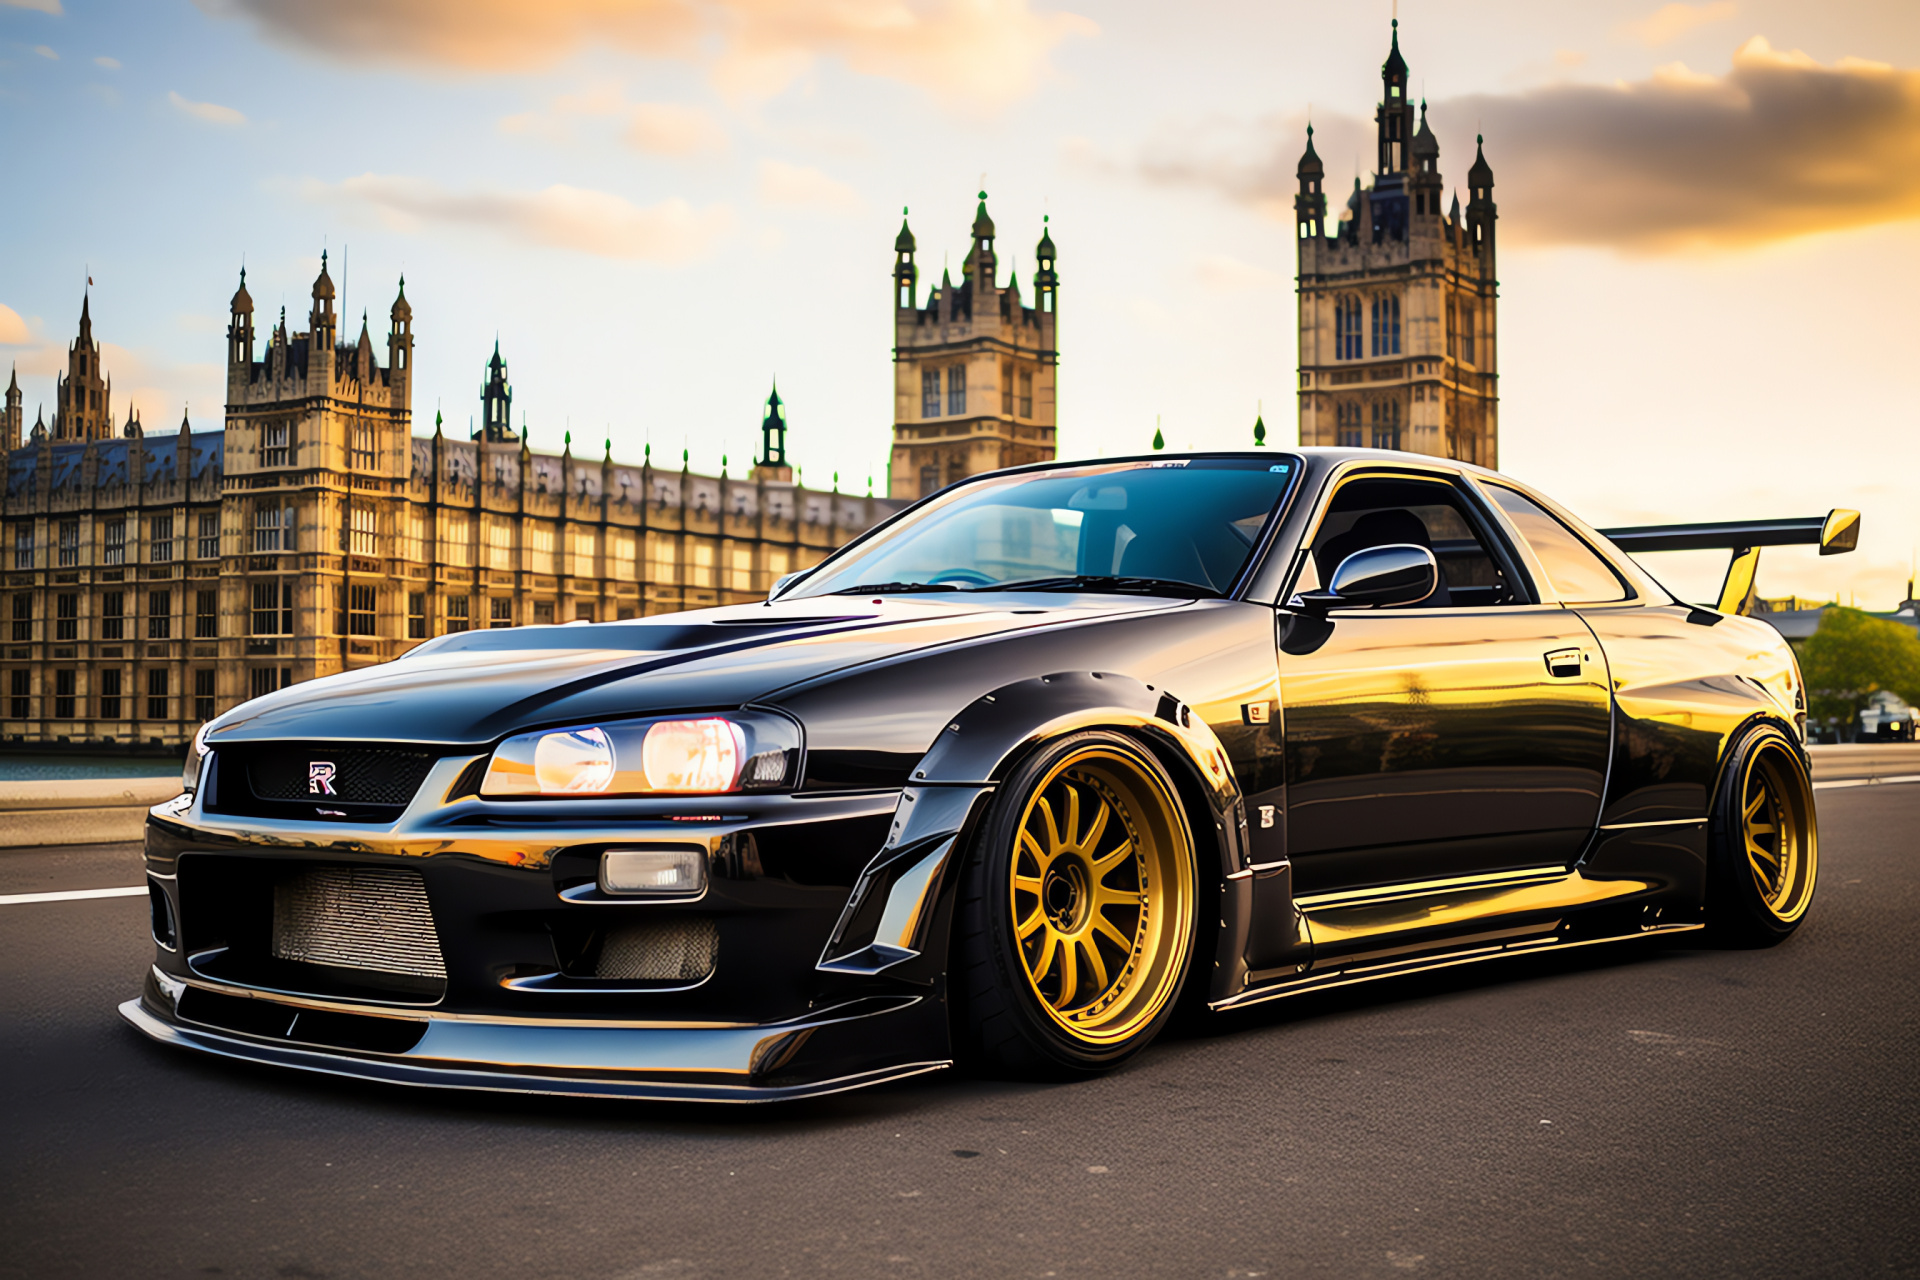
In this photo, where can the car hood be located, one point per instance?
(475, 687)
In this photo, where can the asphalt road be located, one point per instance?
(1619, 1111)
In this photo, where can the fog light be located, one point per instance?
(668, 872)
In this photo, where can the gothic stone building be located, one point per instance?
(1397, 333)
(152, 582)
(973, 372)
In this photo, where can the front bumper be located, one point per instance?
(838, 1049)
(828, 910)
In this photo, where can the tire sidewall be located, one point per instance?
(991, 859)
(1735, 909)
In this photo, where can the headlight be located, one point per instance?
(196, 752)
(705, 755)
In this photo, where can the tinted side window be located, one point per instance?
(1379, 510)
(1578, 574)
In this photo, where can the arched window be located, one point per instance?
(1386, 424)
(1386, 326)
(1346, 333)
(1347, 418)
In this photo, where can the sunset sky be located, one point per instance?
(1710, 217)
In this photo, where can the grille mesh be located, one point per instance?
(357, 775)
(681, 949)
(357, 918)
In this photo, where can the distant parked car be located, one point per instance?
(1886, 718)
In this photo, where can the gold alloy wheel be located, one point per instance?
(1101, 894)
(1777, 833)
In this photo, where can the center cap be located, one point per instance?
(1063, 894)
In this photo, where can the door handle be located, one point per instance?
(1563, 663)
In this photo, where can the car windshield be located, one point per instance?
(1175, 527)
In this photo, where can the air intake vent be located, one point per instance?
(357, 918)
(681, 949)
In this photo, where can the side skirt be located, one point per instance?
(1467, 951)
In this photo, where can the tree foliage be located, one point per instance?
(1854, 654)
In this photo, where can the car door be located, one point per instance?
(1464, 735)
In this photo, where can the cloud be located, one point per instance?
(1780, 146)
(673, 129)
(1667, 24)
(111, 64)
(978, 53)
(13, 330)
(211, 112)
(46, 52)
(798, 187)
(38, 6)
(561, 217)
(658, 128)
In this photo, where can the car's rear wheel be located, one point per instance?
(1765, 842)
(1075, 922)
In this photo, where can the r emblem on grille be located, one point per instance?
(320, 778)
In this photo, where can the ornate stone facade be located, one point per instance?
(973, 370)
(153, 581)
(1398, 340)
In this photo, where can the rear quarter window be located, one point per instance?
(1578, 573)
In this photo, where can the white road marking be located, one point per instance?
(1866, 782)
(72, 895)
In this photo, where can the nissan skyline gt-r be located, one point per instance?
(1006, 781)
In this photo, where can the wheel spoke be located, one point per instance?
(1049, 947)
(1095, 965)
(1072, 840)
(1053, 828)
(1069, 974)
(1760, 829)
(1121, 852)
(1759, 851)
(1023, 928)
(1105, 926)
(1028, 840)
(1107, 896)
(1096, 828)
(1027, 884)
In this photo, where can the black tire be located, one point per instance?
(1763, 842)
(1068, 960)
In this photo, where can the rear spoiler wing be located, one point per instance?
(1835, 533)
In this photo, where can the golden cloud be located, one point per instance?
(560, 217)
(1780, 146)
(13, 330)
(1670, 22)
(972, 52)
(38, 6)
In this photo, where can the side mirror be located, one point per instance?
(1378, 577)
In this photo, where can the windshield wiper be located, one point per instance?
(895, 588)
(1104, 582)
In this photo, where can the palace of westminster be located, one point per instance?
(153, 581)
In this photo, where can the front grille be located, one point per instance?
(322, 773)
(681, 949)
(357, 918)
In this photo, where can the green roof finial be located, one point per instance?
(1259, 432)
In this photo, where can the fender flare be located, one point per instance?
(901, 906)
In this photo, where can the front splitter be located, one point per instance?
(680, 1064)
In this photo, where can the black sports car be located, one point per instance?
(1006, 780)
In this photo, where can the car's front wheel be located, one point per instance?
(1076, 916)
(1764, 855)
